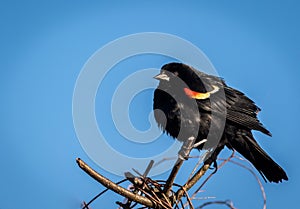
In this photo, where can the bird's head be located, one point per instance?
(185, 79)
(172, 71)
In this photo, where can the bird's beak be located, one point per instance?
(162, 76)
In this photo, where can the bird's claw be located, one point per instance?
(215, 167)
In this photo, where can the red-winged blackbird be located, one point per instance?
(181, 86)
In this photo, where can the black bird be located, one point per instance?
(188, 103)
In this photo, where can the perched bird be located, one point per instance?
(188, 103)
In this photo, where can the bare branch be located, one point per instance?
(183, 154)
(114, 187)
(172, 176)
(151, 193)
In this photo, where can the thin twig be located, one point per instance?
(114, 187)
(170, 180)
(257, 179)
(192, 181)
(210, 175)
(227, 203)
(203, 198)
(150, 165)
(145, 185)
(85, 206)
(170, 158)
(98, 195)
(188, 199)
(195, 168)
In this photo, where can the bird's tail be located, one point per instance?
(246, 145)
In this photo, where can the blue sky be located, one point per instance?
(254, 46)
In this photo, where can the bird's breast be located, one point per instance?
(179, 119)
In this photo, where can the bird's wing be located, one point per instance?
(240, 109)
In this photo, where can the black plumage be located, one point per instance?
(188, 103)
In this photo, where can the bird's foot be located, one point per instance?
(215, 167)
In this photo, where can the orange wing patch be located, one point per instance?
(197, 95)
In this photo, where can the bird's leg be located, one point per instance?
(212, 159)
(186, 148)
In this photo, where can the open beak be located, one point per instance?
(162, 76)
